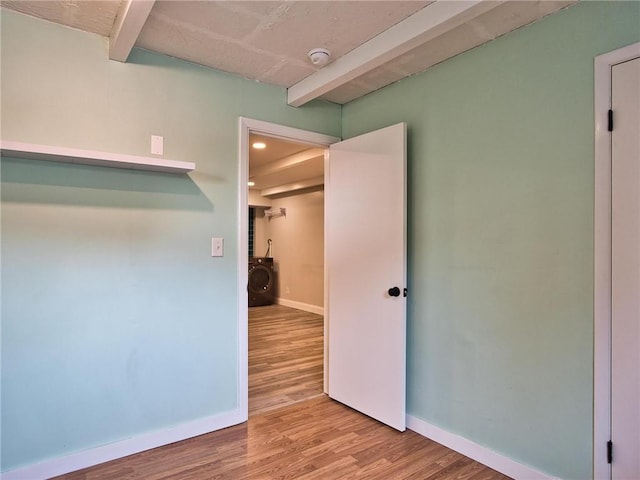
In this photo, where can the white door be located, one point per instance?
(625, 271)
(365, 242)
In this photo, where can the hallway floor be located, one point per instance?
(285, 357)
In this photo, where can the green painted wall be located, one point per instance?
(116, 321)
(500, 338)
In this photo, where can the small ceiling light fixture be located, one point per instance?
(259, 145)
(251, 184)
(319, 56)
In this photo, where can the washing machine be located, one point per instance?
(262, 281)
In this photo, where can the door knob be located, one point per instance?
(394, 292)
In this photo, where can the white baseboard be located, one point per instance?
(112, 451)
(301, 306)
(481, 454)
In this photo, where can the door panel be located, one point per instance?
(365, 211)
(625, 271)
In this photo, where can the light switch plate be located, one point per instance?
(217, 247)
(157, 145)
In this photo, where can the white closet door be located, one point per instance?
(625, 272)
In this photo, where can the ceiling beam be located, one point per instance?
(292, 187)
(128, 25)
(432, 21)
(294, 160)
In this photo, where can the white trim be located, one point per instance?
(433, 21)
(248, 125)
(105, 453)
(602, 256)
(92, 157)
(288, 133)
(325, 366)
(243, 261)
(306, 307)
(481, 454)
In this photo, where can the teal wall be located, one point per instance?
(500, 336)
(116, 321)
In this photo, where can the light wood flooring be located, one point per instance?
(316, 439)
(285, 357)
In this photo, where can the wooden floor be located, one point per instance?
(285, 357)
(313, 439)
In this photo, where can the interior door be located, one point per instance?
(625, 271)
(365, 242)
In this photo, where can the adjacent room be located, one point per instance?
(436, 245)
(286, 272)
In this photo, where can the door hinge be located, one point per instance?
(609, 451)
(610, 120)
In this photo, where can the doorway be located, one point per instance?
(286, 195)
(379, 361)
(286, 272)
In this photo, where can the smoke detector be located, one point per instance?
(319, 56)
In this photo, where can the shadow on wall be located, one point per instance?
(34, 181)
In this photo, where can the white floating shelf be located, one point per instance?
(91, 157)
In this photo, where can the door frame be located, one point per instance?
(602, 256)
(247, 126)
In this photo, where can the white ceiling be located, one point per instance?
(373, 43)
